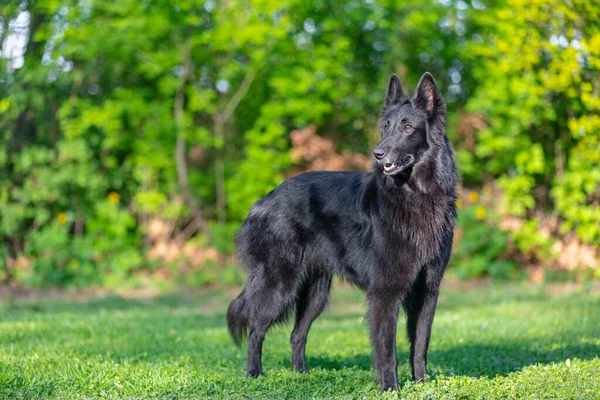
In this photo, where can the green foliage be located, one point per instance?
(223, 237)
(538, 85)
(107, 92)
(119, 113)
(529, 239)
(482, 248)
(228, 275)
(177, 346)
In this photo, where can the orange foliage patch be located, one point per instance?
(312, 152)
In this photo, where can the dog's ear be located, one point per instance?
(429, 99)
(395, 94)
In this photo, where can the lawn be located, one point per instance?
(511, 341)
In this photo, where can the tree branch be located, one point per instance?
(237, 96)
(180, 150)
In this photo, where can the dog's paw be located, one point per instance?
(253, 373)
(303, 369)
(389, 387)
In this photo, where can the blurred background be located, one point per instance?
(135, 135)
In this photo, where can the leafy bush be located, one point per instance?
(481, 248)
(223, 237)
(184, 116)
(538, 87)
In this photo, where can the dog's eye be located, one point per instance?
(408, 128)
(386, 125)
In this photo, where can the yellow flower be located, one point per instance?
(480, 213)
(458, 203)
(74, 263)
(473, 196)
(62, 218)
(114, 197)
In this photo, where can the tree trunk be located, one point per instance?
(219, 128)
(180, 149)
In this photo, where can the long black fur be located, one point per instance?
(388, 233)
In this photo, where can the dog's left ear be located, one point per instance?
(429, 99)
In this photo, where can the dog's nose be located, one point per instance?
(378, 153)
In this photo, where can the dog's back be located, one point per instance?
(311, 222)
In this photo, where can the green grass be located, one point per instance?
(494, 342)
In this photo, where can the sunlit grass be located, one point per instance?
(494, 342)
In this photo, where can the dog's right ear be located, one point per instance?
(395, 95)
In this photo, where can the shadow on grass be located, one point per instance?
(471, 359)
(192, 314)
(359, 361)
(478, 360)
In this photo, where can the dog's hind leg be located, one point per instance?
(269, 304)
(258, 329)
(312, 299)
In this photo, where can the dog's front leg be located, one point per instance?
(420, 305)
(383, 316)
(420, 310)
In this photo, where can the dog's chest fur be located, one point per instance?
(418, 224)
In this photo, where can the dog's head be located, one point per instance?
(409, 127)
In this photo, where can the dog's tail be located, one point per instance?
(237, 318)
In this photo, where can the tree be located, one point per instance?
(539, 87)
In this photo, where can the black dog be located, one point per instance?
(388, 232)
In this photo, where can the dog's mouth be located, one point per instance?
(398, 166)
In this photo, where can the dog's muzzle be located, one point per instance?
(393, 168)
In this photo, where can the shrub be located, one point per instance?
(538, 73)
(481, 248)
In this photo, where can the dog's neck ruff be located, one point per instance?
(431, 184)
